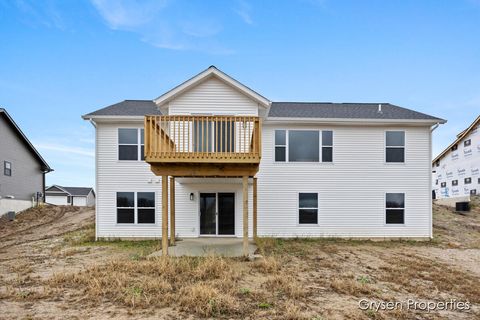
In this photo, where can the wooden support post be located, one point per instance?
(254, 208)
(172, 211)
(245, 216)
(164, 215)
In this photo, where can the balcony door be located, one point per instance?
(213, 135)
(217, 214)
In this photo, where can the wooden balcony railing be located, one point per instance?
(203, 139)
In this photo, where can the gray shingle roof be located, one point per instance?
(326, 110)
(77, 191)
(330, 110)
(128, 108)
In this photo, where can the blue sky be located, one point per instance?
(62, 59)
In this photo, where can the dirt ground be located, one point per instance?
(51, 268)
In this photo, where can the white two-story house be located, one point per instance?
(212, 157)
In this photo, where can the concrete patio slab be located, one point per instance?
(199, 247)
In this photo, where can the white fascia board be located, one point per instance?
(113, 118)
(343, 121)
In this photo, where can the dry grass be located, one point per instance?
(286, 285)
(428, 279)
(268, 264)
(205, 286)
(80, 237)
(351, 286)
(295, 279)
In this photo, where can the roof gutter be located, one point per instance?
(350, 121)
(435, 127)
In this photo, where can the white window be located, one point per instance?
(327, 146)
(395, 208)
(303, 146)
(308, 208)
(130, 144)
(136, 207)
(395, 146)
(7, 168)
(280, 145)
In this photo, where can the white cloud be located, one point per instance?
(35, 13)
(244, 11)
(88, 152)
(127, 14)
(187, 30)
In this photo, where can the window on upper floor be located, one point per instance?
(395, 146)
(437, 163)
(454, 182)
(303, 146)
(454, 147)
(131, 144)
(327, 146)
(436, 182)
(467, 143)
(395, 208)
(443, 184)
(280, 145)
(135, 207)
(7, 168)
(467, 180)
(473, 192)
(308, 208)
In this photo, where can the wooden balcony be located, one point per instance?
(203, 145)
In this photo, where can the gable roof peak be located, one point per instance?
(211, 71)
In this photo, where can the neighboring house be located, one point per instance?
(456, 170)
(22, 172)
(318, 169)
(70, 196)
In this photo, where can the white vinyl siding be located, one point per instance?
(351, 189)
(135, 176)
(213, 96)
(114, 176)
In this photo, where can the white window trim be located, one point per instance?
(320, 146)
(404, 210)
(7, 165)
(139, 144)
(398, 147)
(135, 210)
(298, 210)
(275, 145)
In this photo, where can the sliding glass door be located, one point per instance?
(217, 213)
